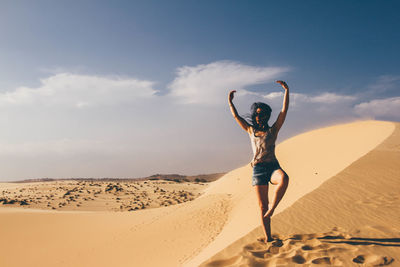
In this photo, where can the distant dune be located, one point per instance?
(204, 178)
(220, 227)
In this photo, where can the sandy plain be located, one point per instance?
(76, 195)
(341, 209)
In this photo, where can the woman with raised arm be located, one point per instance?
(266, 168)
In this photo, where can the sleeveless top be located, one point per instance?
(263, 146)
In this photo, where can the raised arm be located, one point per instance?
(282, 115)
(242, 122)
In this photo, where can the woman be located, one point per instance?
(266, 167)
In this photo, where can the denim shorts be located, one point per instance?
(262, 172)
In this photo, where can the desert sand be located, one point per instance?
(98, 195)
(352, 219)
(336, 200)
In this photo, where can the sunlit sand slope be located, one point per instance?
(161, 236)
(190, 232)
(309, 159)
(351, 219)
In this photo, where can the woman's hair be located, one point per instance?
(265, 111)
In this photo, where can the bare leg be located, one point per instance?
(262, 196)
(281, 179)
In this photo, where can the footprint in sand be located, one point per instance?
(307, 247)
(334, 248)
(261, 249)
(374, 260)
(323, 260)
(299, 259)
(228, 262)
(259, 253)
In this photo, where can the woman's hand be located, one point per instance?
(284, 85)
(231, 93)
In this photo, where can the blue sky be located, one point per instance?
(133, 88)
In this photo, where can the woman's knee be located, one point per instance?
(264, 209)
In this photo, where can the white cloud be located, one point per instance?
(80, 91)
(330, 98)
(210, 83)
(380, 108)
(273, 95)
(324, 98)
(298, 99)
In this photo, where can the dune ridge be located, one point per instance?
(188, 233)
(309, 159)
(351, 219)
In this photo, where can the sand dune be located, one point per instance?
(309, 159)
(353, 218)
(191, 232)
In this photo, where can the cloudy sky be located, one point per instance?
(135, 88)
